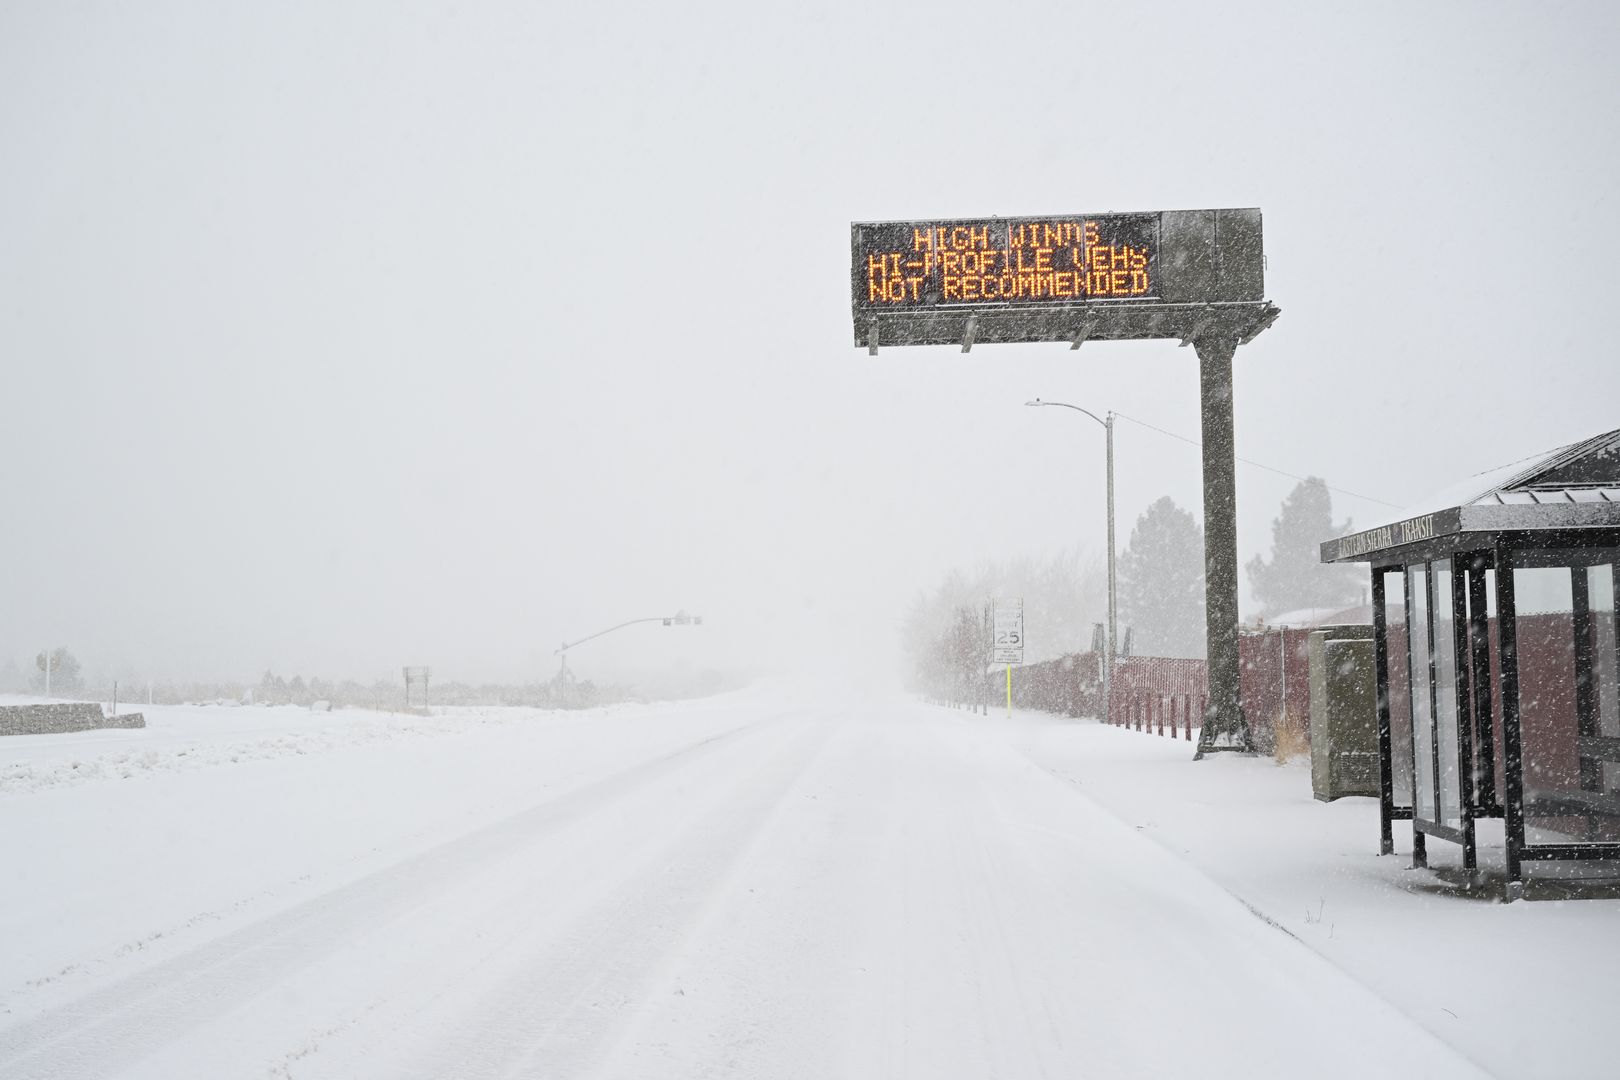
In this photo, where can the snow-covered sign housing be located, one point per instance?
(1497, 636)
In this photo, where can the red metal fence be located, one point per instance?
(1274, 682)
(1071, 685)
(1150, 691)
(1168, 694)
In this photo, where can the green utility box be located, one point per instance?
(1344, 713)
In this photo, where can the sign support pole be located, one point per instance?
(1224, 716)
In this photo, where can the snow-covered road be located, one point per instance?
(752, 887)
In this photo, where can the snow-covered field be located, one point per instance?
(757, 885)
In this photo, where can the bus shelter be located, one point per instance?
(1496, 634)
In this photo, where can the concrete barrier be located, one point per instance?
(59, 717)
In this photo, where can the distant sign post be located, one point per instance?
(1007, 642)
(1194, 276)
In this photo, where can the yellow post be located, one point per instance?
(1009, 691)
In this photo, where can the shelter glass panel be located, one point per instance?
(1417, 632)
(1445, 700)
(1601, 593)
(1398, 665)
(1570, 793)
(1492, 775)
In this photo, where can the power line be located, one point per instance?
(1256, 464)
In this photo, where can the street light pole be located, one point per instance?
(1113, 599)
(1113, 605)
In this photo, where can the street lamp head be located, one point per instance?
(1037, 401)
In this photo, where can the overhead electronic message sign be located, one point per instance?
(919, 265)
(1056, 277)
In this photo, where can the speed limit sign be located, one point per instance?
(1007, 644)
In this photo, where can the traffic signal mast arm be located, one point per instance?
(680, 618)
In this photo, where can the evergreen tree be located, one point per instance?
(1296, 578)
(1161, 583)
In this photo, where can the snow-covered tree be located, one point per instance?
(1063, 596)
(64, 671)
(1161, 583)
(1295, 577)
(272, 690)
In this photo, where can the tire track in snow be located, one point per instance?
(108, 1029)
(559, 1011)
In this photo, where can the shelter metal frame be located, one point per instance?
(1455, 572)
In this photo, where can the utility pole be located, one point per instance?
(47, 673)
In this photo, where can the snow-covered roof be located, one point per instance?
(1310, 618)
(1575, 486)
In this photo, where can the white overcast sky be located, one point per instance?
(337, 336)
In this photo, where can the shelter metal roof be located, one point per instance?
(1574, 487)
(1550, 496)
